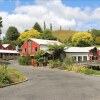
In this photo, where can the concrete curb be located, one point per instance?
(14, 83)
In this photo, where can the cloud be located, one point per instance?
(51, 11)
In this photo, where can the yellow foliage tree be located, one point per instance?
(24, 36)
(97, 40)
(82, 39)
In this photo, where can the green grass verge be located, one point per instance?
(91, 72)
(81, 69)
(10, 76)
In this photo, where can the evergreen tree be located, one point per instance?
(12, 33)
(37, 27)
(51, 26)
(0, 24)
(60, 28)
(44, 25)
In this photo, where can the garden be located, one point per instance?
(10, 76)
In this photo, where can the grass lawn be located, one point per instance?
(9, 76)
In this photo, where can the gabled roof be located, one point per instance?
(9, 51)
(45, 42)
(5, 45)
(77, 49)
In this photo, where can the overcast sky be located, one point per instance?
(73, 14)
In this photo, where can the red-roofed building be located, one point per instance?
(7, 47)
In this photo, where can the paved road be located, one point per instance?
(46, 84)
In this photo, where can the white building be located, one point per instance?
(79, 53)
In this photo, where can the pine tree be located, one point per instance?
(37, 27)
(51, 26)
(60, 28)
(44, 25)
(0, 24)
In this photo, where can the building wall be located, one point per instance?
(30, 48)
(1, 47)
(33, 46)
(79, 55)
(24, 49)
(44, 47)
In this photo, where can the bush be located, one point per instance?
(68, 61)
(38, 56)
(8, 76)
(54, 64)
(76, 68)
(24, 60)
(4, 78)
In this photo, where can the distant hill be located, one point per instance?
(63, 35)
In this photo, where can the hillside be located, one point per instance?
(63, 35)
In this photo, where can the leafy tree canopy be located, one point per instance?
(57, 50)
(12, 33)
(47, 34)
(82, 39)
(24, 36)
(37, 27)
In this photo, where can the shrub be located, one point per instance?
(38, 56)
(24, 60)
(76, 68)
(4, 77)
(68, 61)
(8, 76)
(54, 63)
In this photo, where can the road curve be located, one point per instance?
(48, 84)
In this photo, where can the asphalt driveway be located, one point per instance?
(48, 84)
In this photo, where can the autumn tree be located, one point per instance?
(37, 27)
(82, 39)
(24, 36)
(97, 40)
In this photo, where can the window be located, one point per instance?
(84, 58)
(79, 58)
(74, 57)
(24, 49)
(34, 49)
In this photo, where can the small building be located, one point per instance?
(94, 54)
(78, 53)
(1, 47)
(33, 45)
(8, 54)
(7, 47)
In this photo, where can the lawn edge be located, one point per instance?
(26, 79)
